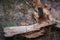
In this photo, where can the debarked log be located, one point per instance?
(14, 30)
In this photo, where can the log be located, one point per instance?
(14, 30)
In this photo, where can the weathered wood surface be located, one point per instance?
(11, 31)
(54, 35)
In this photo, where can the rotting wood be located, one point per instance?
(14, 30)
